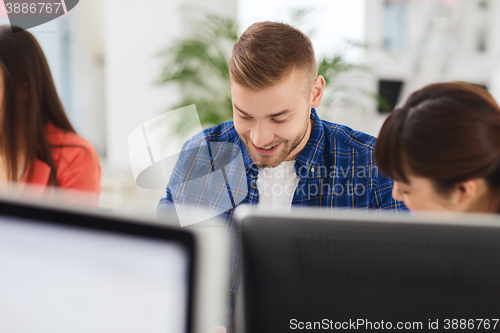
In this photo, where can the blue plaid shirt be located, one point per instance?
(336, 169)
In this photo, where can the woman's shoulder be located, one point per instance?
(59, 138)
(69, 149)
(75, 159)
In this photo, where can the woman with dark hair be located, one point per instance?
(442, 148)
(38, 144)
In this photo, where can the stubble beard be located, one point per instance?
(273, 161)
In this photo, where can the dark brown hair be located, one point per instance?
(447, 132)
(267, 52)
(30, 102)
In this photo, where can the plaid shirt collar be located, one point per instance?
(309, 156)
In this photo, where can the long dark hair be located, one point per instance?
(30, 102)
(448, 132)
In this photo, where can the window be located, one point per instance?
(389, 92)
(393, 27)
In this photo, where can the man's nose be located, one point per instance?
(261, 137)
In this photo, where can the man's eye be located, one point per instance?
(246, 118)
(279, 121)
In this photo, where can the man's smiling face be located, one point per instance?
(274, 122)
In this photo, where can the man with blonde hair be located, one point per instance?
(291, 157)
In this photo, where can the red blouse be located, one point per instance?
(77, 165)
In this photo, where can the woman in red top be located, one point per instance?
(38, 145)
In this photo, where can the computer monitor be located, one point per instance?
(316, 270)
(74, 271)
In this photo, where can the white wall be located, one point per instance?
(87, 72)
(134, 34)
(331, 21)
(445, 56)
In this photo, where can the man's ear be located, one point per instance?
(317, 91)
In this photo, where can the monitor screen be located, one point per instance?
(64, 278)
